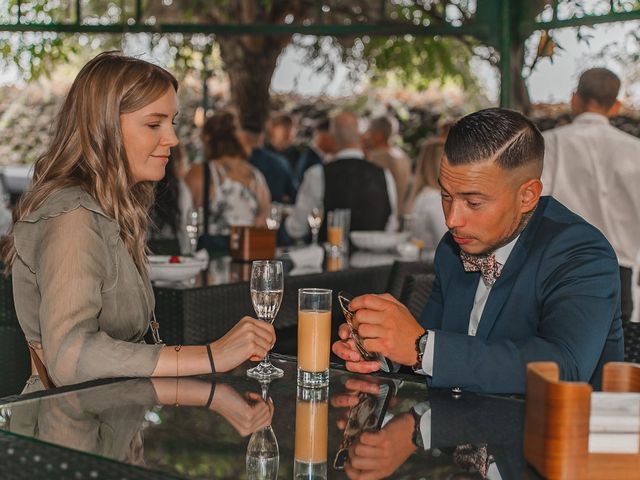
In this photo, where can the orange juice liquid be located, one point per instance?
(314, 338)
(334, 235)
(312, 425)
(334, 263)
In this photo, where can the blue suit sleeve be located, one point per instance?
(577, 288)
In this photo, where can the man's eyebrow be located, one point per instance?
(466, 194)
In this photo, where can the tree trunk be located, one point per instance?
(519, 92)
(250, 63)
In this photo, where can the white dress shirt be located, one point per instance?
(311, 195)
(482, 294)
(594, 170)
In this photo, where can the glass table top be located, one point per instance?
(358, 427)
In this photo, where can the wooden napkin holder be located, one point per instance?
(252, 243)
(556, 434)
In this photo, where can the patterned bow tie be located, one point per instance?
(487, 265)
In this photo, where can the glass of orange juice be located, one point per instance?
(338, 223)
(312, 427)
(314, 337)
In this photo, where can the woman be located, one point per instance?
(425, 202)
(77, 249)
(238, 192)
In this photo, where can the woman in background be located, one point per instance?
(77, 248)
(170, 210)
(238, 193)
(425, 203)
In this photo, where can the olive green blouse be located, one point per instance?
(78, 294)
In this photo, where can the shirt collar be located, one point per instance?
(591, 117)
(502, 253)
(349, 153)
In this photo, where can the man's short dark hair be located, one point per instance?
(599, 85)
(506, 136)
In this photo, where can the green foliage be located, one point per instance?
(419, 61)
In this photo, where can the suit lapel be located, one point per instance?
(504, 284)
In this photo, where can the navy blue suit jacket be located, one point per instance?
(557, 299)
(277, 173)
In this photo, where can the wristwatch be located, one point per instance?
(421, 344)
(416, 437)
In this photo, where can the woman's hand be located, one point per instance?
(245, 414)
(248, 339)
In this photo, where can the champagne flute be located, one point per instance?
(193, 228)
(315, 221)
(267, 286)
(263, 455)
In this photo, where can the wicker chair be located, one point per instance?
(416, 291)
(399, 272)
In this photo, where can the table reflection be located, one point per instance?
(359, 427)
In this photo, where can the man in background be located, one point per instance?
(380, 152)
(593, 168)
(274, 167)
(318, 151)
(281, 134)
(348, 181)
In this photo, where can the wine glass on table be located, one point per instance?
(315, 221)
(263, 456)
(267, 287)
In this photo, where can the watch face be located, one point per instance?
(422, 343)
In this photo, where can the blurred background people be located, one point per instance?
(425, 202)
(319, 151)
(379, 150)
(238, 192)
(348, 181)
(167, 230)
(281, 134)
(274, 167)
(593, 168)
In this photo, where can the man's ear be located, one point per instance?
(530, 192)
(615, 108)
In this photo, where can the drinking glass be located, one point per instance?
(314, 337)
(267, 287)
(315, 221)
(312, 427)
(338, 223)
(193, 228)
(274, 219)
(263, 456)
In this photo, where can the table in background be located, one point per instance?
(94, 432)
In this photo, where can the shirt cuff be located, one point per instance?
(424, 410)
(427, 357)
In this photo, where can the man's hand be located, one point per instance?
(376, 455)
(387, 327)
(345, 348)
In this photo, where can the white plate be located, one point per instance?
(377, 241)
(161, 269)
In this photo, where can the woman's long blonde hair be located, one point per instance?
(87, 149)
(427, 167)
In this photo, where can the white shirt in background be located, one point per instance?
(428, 218)
(311, 195)
(593, 168)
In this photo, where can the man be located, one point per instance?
(281, 133)
(593, 168)
(346, 182)
(549, 288)
(274, 167)
(318, 151)
(380, 152)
